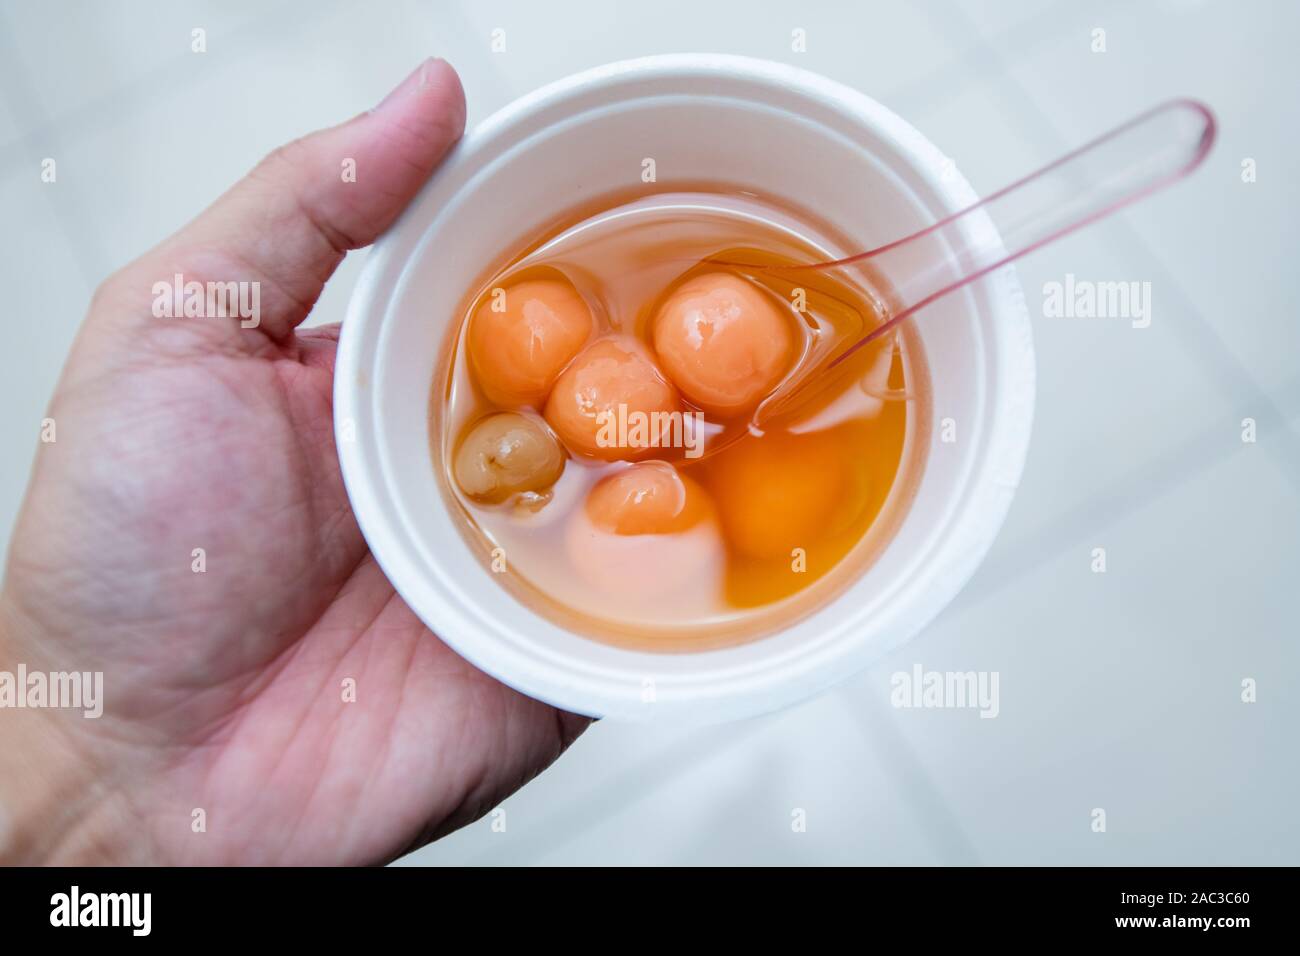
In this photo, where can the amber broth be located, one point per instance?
(818, 489)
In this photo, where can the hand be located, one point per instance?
(224, 689)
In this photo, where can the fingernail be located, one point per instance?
(416, 80)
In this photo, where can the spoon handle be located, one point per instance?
(1129, 163)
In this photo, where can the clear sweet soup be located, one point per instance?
(636, 424)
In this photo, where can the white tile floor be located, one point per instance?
(1118, 690)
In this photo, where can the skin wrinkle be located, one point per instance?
(343, 511)
(185, 342)
(270, 671)
(306, 805)
(302, 306)
(428, 143)
(232, 723)
(287, 171)
(362, 212)
(233, 687)
(108, 569)
(419, 167)
(210, 260)
(470, 806)
(339, 521)
(25, 558)
(384, 754)
(380, 757)
(297, 649)
(276, 668)
(98, 780)
(305, 498)
(480, 799)
(340, 241)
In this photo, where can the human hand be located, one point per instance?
(224, 690)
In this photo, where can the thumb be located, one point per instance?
(288, 224)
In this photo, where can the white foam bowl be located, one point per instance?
(836, 153)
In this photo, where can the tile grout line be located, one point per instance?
(88, 117)
(1173, 464)
(954, 836)
(951, 841)
(604, 801)
(973, 63)
(47, 134)
(1204, 342)
(1184, 462)
(25, 104)
(501, 88)
(968, 599)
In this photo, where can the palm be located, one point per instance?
(241, 668)
(188, 534)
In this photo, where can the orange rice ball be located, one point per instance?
(611, 402)
(645, 533)
(724, 342)
(523, 335)
(648, 498)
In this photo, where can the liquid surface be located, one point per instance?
(638, 428)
